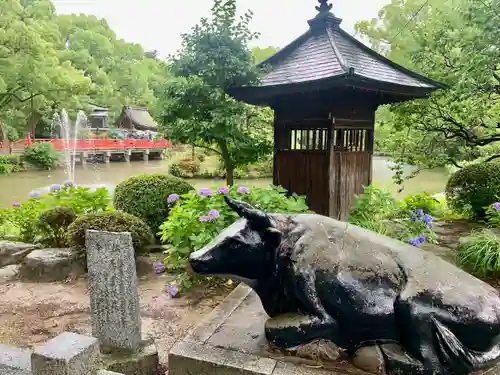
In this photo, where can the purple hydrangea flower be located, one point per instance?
(16, 204)
(159, 267)
(206, 192)
(204, 218)
(419, 212)
(213, 214)
(68, 184)
(496, 206)
(54, 187)
(223, 190)
(172, 198)
(34, 194)
(243, 189)
(172, 291)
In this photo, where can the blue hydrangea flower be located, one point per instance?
(173, 198)
(427, 219)
(243, 189)
(68, 184)
(419, 212)
(205, 192)
(16, 204)
(54, 187)
(417, 241)
(496, 206)
(204, 218)
(34, 194)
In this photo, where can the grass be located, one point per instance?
(480, 253)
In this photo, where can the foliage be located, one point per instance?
(372, 207)
(189, 166)
(423, 201)
(22, 218)
(456, 43)
(261, 54)
(41, 155)
(198, 216)
(195, 108)
(473, 188)
(376, 210)
(52, 225)
(30, 64)
(479, 253)
(50, 60)
(145, 196)
(11, 163)
(492, 215)
(110, 221)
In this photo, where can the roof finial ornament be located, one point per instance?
(324, 6)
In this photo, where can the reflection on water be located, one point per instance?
(16, 187)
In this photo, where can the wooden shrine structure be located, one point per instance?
(324, 88)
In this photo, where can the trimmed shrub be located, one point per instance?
(145, 196)
(42, 155)
(474, 187)
(109, 221)
(52, 225)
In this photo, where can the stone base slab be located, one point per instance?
(231, 341)
(141, 362)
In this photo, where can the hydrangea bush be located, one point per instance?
(198, 216)
(22, 217)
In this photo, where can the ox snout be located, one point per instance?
(201, 261)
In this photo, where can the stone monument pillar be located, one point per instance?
(114, 304)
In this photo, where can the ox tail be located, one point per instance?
(459, 358)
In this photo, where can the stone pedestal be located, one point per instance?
(107, 157)
(83, 158)
(66, 354)
(127, 155)
(114, 304)
(231, 341)
(145, 155)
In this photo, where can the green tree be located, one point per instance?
(456, 42)
(121, 73)
(31, 71)
(261, 54)
(194, 106)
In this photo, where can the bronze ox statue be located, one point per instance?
(356, 288)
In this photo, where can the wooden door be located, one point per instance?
(302, 159)
(350, 165)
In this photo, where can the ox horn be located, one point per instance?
(258, 219)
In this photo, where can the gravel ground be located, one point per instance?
(33, 313)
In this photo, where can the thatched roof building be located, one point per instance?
(136, 118)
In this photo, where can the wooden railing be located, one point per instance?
(96, 144)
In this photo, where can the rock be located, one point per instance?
(9, 273)
(49, 265)
(14, 252)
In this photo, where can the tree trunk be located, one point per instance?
(228, 163)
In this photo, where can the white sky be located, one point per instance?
(157, 24)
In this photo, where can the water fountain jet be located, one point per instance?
(68, 133)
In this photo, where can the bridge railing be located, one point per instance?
(93, 144)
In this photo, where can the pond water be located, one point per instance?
(15, 187)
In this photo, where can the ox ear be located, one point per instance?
(258, 220)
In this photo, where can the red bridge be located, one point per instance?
(104, 148)
(97, 144)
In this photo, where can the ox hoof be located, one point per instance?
(370, 359)
(318, 350)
